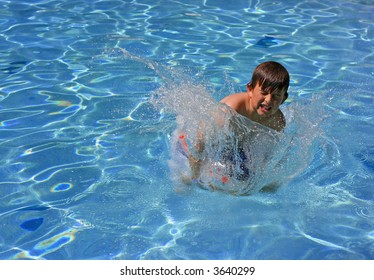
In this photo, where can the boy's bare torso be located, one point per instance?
(239, 103)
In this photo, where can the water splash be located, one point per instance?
(240, 156)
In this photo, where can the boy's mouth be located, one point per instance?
(265, 108)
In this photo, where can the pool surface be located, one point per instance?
(85, 156)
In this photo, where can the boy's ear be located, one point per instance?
(285, 97)
(249, 86)
(249, 89)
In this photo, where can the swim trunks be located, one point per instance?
(230, 164)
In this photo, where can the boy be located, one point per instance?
(266, 91)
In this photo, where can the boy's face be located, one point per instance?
(264, 102)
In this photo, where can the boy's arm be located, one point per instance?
(195, 162)
(195, 165)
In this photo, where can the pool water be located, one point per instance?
(85, 155)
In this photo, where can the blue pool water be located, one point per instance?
(85, 155)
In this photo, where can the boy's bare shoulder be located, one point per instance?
(279, 121)
(235, 100)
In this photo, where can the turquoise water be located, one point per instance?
(85, 155)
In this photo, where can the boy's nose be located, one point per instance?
(268, 98)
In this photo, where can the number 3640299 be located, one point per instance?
(234, 270)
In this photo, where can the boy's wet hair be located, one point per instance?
(271, 76)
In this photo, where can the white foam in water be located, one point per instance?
(240, 156)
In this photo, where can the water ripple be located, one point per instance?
(78, 133)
